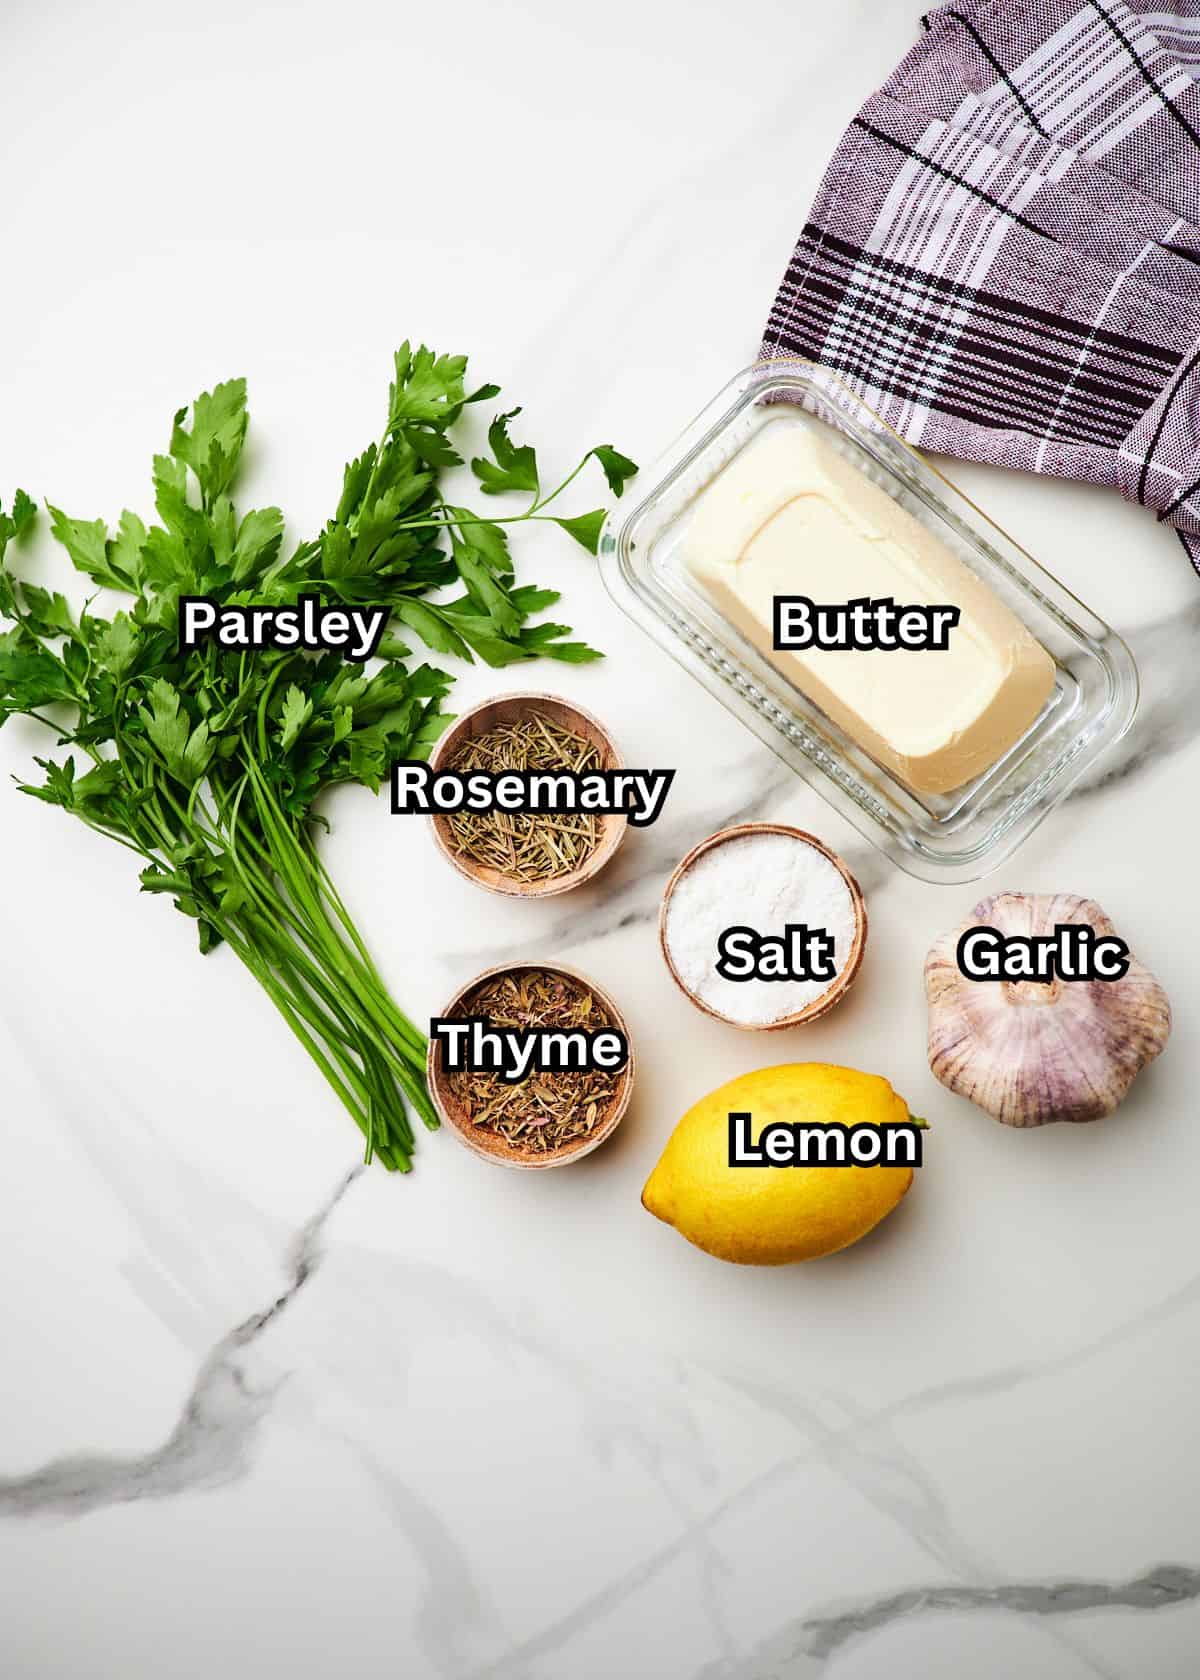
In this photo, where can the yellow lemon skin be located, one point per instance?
(771, 1216)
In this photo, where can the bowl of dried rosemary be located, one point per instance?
(533, 854)
(550, 1113)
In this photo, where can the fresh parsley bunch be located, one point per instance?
(208, 765)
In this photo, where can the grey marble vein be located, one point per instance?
(893, 1480)
(454, 1611)
(1008, 1377)
(209, 1445)
(802, 1649)
(516, 1660)
(693, 1535)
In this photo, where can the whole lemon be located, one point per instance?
(769, 1215)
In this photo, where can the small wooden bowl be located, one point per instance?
(837, 988)
(492, 1148)
(505, 708)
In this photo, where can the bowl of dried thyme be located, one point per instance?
(527, 854)
(550, 1113)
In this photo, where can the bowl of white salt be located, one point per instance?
(763, 927)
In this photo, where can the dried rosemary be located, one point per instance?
(526, 846)
(546, 1110)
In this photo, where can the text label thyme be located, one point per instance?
(475, 1046)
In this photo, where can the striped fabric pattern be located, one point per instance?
(1004, 256)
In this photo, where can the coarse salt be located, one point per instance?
(765, 882)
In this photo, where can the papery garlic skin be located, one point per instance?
(1031, 1052)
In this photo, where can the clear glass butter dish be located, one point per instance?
(954, 836)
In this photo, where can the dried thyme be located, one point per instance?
(524, 846)
(546, 1110)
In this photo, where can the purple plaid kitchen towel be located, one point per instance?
(1003, 259)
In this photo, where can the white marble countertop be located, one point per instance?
(266, 1414)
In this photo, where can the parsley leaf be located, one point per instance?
(296, 713)
(488, 595)
(24, 512)
(213, 447)
(86, 541)
(617, 467)
(513, 468)
(48, 614)
(124, 552)
(258, 539)
(117, 645)
(185, 750)
(426, 387)
(585, 528)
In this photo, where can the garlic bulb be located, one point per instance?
(1031, 1051)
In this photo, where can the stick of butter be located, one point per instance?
(791, 516)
